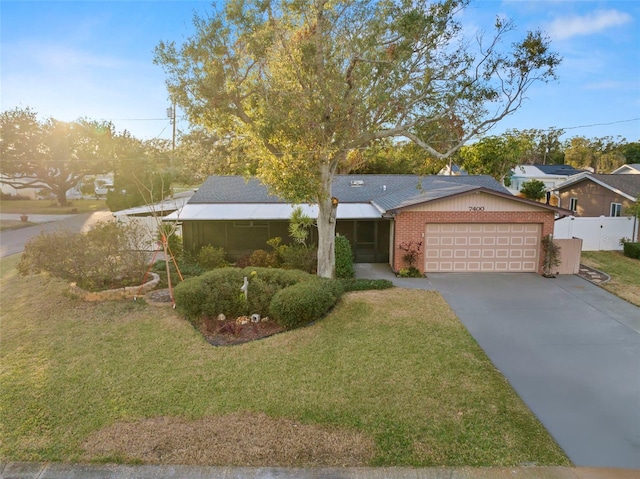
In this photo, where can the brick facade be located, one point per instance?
(410, 226)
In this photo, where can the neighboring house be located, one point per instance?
(34, 193)
(464, 223)
(149, 217)
(632, 169)
(452, 170)
(599, 195)
(550, 175)
(30, 193)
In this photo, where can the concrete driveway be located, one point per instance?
(571, 351)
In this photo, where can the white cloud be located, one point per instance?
(567, 27)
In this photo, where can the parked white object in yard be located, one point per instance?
(597, 234)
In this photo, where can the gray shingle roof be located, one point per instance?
(629, 184)
(387, 191)
(558, 169)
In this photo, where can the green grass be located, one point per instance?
(624, 272)
(395, 365)
(6, 225)
(48, 207)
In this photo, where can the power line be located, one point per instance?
(596, 124)
(136, 119)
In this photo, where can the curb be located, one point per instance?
(31, 470)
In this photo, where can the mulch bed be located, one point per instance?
(229, 332)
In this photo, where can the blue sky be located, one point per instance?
(94, 59)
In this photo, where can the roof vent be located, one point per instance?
(357, 183)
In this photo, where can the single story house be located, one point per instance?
(452, 169)
(149, 217)
(464, 223)
(629, 169)
(599, 195)
(550, 175)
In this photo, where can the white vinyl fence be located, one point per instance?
(597, 234)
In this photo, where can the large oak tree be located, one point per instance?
(51, 155)
(304, 82)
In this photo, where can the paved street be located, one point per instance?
(13, 241)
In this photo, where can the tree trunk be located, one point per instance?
(61, 196)
(326, 227)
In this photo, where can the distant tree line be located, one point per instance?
(54, 156)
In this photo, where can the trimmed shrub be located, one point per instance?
(190, 296)
(263, 259)
(216, 291)
(304, 302)
(344, 258)
(299, 257)
(365, 284)
(243, 261)
(264, 283)
(283, 277)
(632, 250)
(210, 257)
(260, 294)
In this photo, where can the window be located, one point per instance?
(250, 224)
(573, 204)
(616, 209)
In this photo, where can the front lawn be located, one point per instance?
(624, 272)
(48, 207)
(6, 225)
(388, 378)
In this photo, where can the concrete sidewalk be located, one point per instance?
(16, 470)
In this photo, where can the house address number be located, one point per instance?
(476, 208)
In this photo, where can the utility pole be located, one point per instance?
(171, 114)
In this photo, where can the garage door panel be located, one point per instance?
(482, 247)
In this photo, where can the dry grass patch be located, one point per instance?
(239, 439)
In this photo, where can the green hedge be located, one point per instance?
(304, 302)
(218, 291)
(632, 250)
(291, 297)
(365, 284)
(214, 292)
(344, 258)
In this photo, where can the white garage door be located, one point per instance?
(485, 247)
